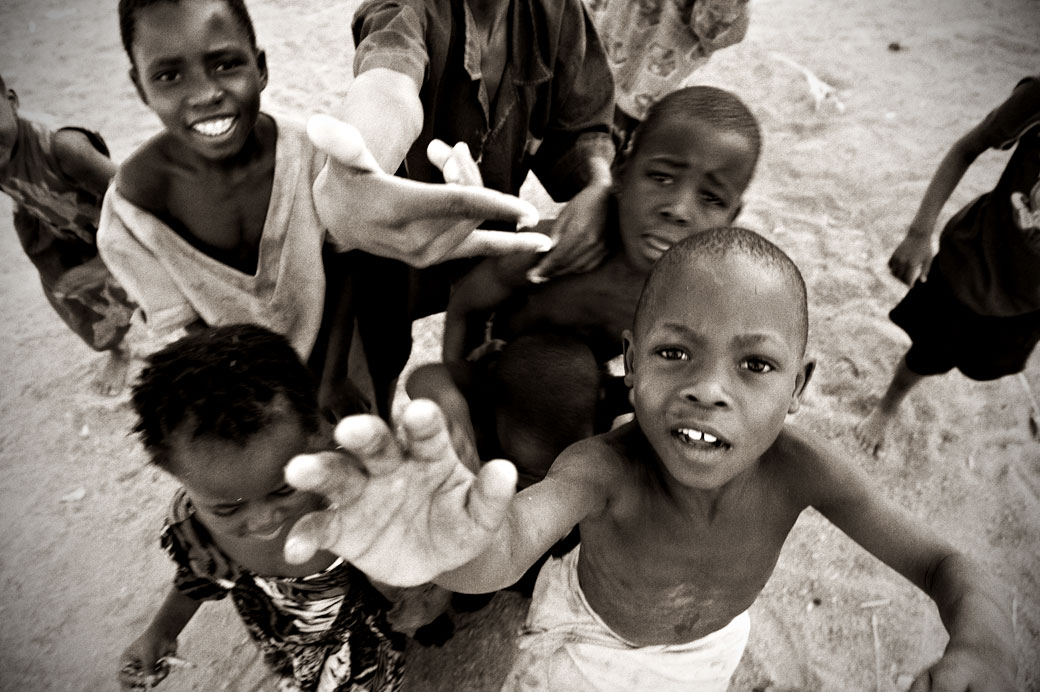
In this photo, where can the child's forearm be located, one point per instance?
(496, 568)
(173, 615)
(945, 180)
(971, 610)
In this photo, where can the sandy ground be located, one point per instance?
(81, 571)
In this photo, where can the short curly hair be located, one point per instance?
(128, 10)
(714, 244)
(716, 107)
(221, 381)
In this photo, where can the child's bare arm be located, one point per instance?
(1003, 125)
(80, 161)
(141, 662)
(980, 652)
(913, 257)
(476, 296)
(538, 517)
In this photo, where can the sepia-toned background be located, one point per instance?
(80, 567)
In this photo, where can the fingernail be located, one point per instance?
(535, 277)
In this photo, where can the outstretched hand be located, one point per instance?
(419, 223)
(402, 510)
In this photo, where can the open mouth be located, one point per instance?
(214, 127)
(656, 246)
(691, 436)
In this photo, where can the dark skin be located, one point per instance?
(220, 210)
(689, 505)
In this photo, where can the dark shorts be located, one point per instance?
(946, 334)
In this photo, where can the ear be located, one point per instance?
(627, 346)
(800, 383)
(135, 77)
(261, 64)
(13, 98)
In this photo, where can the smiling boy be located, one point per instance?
(197, 225)
(683, 512)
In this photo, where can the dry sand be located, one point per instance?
(81, 570)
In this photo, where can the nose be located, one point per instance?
(707, 388)
(265, 517)
(681, 208)
(206, 92)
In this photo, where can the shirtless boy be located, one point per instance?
(685, 171)
(683, 512)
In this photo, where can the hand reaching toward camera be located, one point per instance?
(419, 223)
(402, 509)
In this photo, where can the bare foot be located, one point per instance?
(870, 433)
(112, 378)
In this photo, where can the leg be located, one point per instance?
(871, 430)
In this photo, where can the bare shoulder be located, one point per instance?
(813, 471)
(597, 466)
(83, 158)
(145, 176)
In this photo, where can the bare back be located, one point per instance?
(597, 305)
(662, 569)
(219, 207)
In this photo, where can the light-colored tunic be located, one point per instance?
(175, 284)
(565, 645)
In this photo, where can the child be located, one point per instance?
(222, 411)
(222, 217)
(976, 304)
(683, 512)
(525, 85)
(57, 179)
(685, 172)
(655, 45)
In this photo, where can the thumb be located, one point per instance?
(491, 494)
(341, 141)
(311, 533)
(483, 243)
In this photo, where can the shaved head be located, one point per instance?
(716, 244)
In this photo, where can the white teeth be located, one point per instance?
(215, 127)
(691, 435)
(658, 244)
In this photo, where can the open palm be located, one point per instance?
(419, 223)
(401, 510)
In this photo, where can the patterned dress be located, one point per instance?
(56, 220)
(655, 45)
(326, 632)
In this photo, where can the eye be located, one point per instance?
(227, 64)
(757, 365)
(660, 178)
(165, 76)
(713, 199)
(225, 510)
(672, 354)
(283, 491)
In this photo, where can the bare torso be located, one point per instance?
(596, 306)
(660, 570)
(218, 207)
